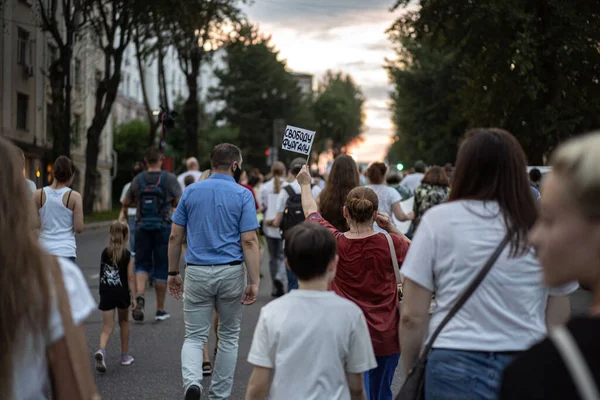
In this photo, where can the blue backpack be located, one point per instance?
(150, 204)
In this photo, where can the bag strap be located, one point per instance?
(469, 291)
(290, 191)
(394, 257)
(575, 363)
(78, 359)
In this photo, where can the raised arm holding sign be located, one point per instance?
(298, 140)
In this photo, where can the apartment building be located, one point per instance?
(25, 97)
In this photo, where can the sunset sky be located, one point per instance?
(341, 35)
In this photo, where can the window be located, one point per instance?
(78, 73)
(22, 47)
(52, 55)
(22, 111)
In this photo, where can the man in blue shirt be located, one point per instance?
(219, 217)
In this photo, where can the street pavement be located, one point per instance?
(156, 346)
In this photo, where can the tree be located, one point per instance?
(195, 27)
(57, 22)
(338, 111)
(531, 67)
(111, 24)
(255, 89)
(127, 141)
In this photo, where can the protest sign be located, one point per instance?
(298, 140)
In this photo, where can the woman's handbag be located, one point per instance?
(76, 344)
(414, 384)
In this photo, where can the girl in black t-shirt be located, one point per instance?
(117, 289)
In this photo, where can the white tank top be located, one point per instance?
(57, 235)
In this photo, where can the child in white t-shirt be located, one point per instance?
(310, 343)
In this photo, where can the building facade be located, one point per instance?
(27, 52)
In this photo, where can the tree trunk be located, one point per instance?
(57, 109)
(92, 176)
(162, 80)
(152, 121)
(105, 97)
(190, 115)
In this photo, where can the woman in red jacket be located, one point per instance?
(365, 275)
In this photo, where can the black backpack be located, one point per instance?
(293, 213)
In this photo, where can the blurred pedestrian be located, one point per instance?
(130, 215)
(38, 352)
(535, 177)
(389, 198)
(413, 180)
(117, 292)
(193, 169)
(344, 177)
(433, 190)
(270, 189)
(567, 240)
(325, 361)
(30, 184)
(61, 211)
(154, 191)
(393, 180)
(220, 242)
(490, 211)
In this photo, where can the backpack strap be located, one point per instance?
(69, 198)
(289, 190)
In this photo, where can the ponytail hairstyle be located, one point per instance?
(362, 203)
(117, 241)
(278, 171)
(63, 169)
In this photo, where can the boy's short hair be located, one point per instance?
(309, 248)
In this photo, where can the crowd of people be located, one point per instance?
(352, 295)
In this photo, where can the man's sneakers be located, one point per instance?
(138, 313)
(126, 359)
(193, 393)
(162, 316)
(100, 363)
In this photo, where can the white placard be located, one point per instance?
(298, 140)
(407, 206)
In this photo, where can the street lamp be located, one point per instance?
(77, 20)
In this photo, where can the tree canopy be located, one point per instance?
(531, 67)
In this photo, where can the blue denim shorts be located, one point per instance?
(459, 374)
(152, 252)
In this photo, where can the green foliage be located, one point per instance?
(531, 67)
(338, 111)
(256, 89)
(130, 144)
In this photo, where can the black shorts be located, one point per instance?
(110, 301)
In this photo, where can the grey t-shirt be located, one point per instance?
(169, 184)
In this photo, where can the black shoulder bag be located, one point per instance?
(414, 385)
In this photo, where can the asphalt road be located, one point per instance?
(156, 346)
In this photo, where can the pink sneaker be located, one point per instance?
(127, 360)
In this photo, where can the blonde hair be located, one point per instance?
(205, 175)
(24, 268)
(278, 171)
(578, 160)
(117, 241)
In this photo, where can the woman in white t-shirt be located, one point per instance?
(511, 308)
(269, 192)
(29, 315)
(389, 198)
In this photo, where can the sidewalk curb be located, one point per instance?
(97, 225)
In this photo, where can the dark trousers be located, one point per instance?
(378, 381)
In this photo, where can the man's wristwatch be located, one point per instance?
(173, 273)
